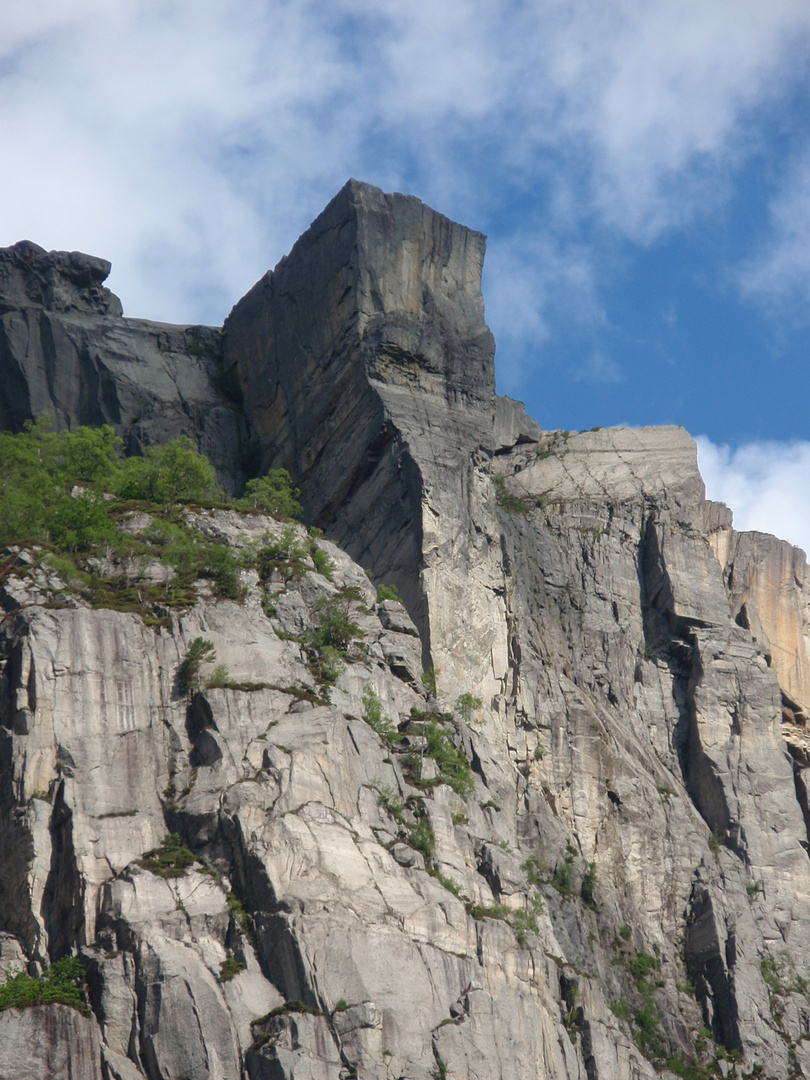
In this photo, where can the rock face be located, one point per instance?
(767, 581)
(619, 887)
(66, 352)
(367, 371)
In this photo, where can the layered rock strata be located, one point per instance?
(625, 891)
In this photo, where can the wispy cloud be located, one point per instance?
(766, 484)
(599, 369)
(779, 273)
(533, 283)
(661, 92)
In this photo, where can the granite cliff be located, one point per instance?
(581, 850)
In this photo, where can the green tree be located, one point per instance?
(336, 628)
(38, 470)
(430, 681)
(388, 592)
(62, 982)
(468, 706)
(174, 472)
(87, 455)
(81, 521)
(453, 765)
(171, 860)
(27, 492)
(274, 493)
(373, 716)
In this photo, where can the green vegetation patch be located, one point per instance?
(642, 965)
(512, 504)
(171, 860)
(469, 707)
(336, 628)
(588, 888)
(230, 968)
(284, 554)
(74, 495)
(289, 1007)
(200, 651)
(237, 912)
(174, 472)
(62, 983)
(388, 592)
(454, 768)
(336, 637)
(274, 494)
(563, 877)
(421, 838)
(647, 1016)
(417, 832)
(373, 716)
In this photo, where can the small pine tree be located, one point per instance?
(201, 651)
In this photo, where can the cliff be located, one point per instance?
(580, 852)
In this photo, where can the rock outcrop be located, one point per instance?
(581, 853)
(367, 371)
(767, 582)
(67, 352)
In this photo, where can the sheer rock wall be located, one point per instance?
(367, 371)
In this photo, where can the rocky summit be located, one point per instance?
(536, 807)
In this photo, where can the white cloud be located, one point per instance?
(766, 484)
(183, 141)
(190, 141)
(661, 91)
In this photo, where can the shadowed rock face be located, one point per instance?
(367, 368)
(66, 351)
(631, 870)
(57, 280)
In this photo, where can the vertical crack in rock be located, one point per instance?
(709, 961)
(63, 899)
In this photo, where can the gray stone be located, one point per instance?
(394, 617)
(513, 425)
(66, 352)
(633, 790)
(406, 856)
(385, 350)
(51, 1041)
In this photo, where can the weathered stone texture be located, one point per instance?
(633, 794)
(50, 1041)
(367, 368)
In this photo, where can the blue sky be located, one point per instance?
(641, 168)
